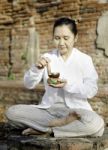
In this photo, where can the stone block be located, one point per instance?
(75, 144)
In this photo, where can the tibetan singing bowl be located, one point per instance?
(53, 78)
(54, 75)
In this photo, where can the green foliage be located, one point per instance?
(24, 57)
(11, 76)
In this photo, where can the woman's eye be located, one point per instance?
(57, 38)
(66, 37)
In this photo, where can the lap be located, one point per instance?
(89, 119)
(89, 123)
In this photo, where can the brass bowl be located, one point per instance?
(54, 75)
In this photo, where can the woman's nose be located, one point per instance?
(61, 42)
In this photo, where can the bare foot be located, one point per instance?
(63, 121)
(30, 131)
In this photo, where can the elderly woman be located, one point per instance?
(70, 79)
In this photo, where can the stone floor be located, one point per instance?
(11, 139)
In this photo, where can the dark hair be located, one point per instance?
(66, 21)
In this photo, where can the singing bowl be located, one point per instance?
(54, 75)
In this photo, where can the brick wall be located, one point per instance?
(14, 23)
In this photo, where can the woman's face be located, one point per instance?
(63, 39)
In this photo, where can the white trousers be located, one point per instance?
(24, 116)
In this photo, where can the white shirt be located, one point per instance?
(81, 78)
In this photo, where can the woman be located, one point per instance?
(64, 109)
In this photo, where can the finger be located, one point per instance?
(46, 60)
(39, 66)
(52, 85)
(57, 85)
(62, 80)
(41, 63)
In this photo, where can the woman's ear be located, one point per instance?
(76, 38)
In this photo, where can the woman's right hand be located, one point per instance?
(42, 62)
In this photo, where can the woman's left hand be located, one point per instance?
(60, 84)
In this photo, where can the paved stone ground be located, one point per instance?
(11, 139)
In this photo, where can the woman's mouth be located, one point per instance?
(62, 47)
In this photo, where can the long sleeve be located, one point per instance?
(87, 87)
(32, 77)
